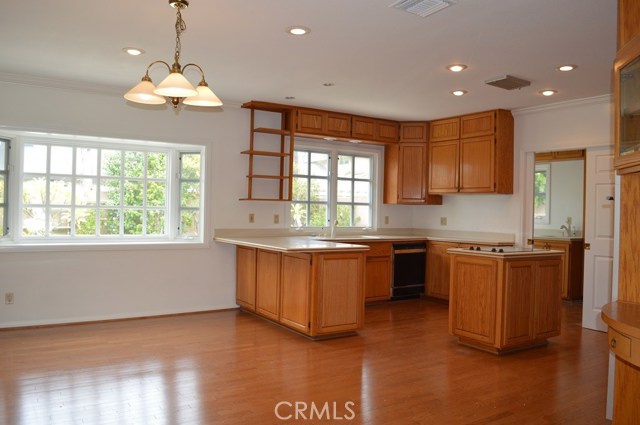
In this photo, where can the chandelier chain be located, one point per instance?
(180, 27)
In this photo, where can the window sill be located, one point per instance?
(37, 246)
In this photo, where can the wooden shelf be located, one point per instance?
(267, 106)
(261, 199)
(271, 131)
(266, 153)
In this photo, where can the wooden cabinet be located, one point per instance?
(378, 269)
(472, 154)
(315, 121)
(572, 264)
(501, 303)
(406, 167)
(365, 128)
(438, 269)
(318, 294)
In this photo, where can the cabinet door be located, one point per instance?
(412, 173)
(413, 131)
(338, 125)
(363, 128)
(246, 277)
(548, 308)
(268, 284)
(339, 297)
(443, 167)
(438, 269)
(377, 278)
(517, 323)
(472, 310)
(295, 291)
(310, 121)
(559, 246)
(443, 130)
(477, 171)
(386, 131)
(476, 125)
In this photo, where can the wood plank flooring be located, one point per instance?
(233, 368)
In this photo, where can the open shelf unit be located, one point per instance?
(263, 136)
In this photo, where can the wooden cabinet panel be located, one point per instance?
(476, 125)
(268, 284)
(338, 125)
(386, 131)
(447, 129)
(413, 132)
(443, 167)
(246, 277)
(472, 311)
(548, 277)
(295, 291)
(572, 264)
(476, 165)
(363, 128)
(519, 293)
(310, 121)
(377, 278)
(412, 173)
(438, 269)
(339, 297)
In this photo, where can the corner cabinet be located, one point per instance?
(406, 167)
(318, 294)
(627, 107)
(472, 154)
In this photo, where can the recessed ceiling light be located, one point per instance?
(133, 51)
(298, 30)
(289, 97)
(459, 92)
(566, 68)
(328, 84)
(548, 92)
(457, 67)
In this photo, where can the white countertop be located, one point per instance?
(291, 243)
(521, 252)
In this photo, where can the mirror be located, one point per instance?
(558, 194)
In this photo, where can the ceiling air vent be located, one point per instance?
(421, 7)
(508, 82)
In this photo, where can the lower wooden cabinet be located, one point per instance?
(572, 264)
(502, 303)
(378, 270)
(438, 268)
(318, 294)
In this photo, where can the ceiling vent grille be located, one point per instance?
(508, 82)
(421, 7)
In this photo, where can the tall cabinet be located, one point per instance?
(623, 316)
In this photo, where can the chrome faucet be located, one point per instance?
(567, 229)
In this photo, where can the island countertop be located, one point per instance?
(507, 252)
(291, 243)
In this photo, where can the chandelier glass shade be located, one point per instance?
(175, 86)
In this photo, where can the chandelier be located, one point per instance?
(175, 86)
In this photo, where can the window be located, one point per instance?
(90, 190)
(324, 188)
(541, 195)
(4, 176)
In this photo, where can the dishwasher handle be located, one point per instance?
(409, 251)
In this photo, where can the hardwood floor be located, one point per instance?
(233, 368)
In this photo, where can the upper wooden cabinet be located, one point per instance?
(315, 121)
(627, 107)
(406, 167)
(480, 160)
(374, 129)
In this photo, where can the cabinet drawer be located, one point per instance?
(378, 249)
(619, 344)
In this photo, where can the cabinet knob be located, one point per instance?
(613, 342)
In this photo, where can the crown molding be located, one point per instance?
(595, 100)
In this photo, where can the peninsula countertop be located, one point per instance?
(291, 243)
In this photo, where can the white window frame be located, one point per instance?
(546, 166)
(5, 172)
(334, 149)
(14, 237)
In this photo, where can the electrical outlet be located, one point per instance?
(252, 218)
(443, 221)
(386, 219)
(276, 218)
(8, 297)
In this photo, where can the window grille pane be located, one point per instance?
(157, 193)
(319, 164)
(87, 161)
(319, 190)
(2, 215)
(362, 216)
(345, 166)
(134, 164)
(2, 186)
(190, 166)
(318, 215)
(109, 221)
(60, 191)
(34, 221)
(362, 167)
(60, 221)
(111, 163)
(156, 165)
(86, 191)
(85, 221)
(61, 160)
(190, 194)
(344, 215)
(3, 155)
(35, 158)
(133, 222)
(345, 193)
(300, 189)
(133, 193)
(189, 222)
(362, 192)
(300, 162)
(155, 222)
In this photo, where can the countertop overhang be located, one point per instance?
(291, 243)
(519, 253)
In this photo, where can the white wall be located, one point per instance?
(63, 286)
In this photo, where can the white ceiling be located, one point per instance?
(383, 62)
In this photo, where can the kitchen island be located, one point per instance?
(311, 286)
(505, 301)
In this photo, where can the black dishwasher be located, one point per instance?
(409, 269)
